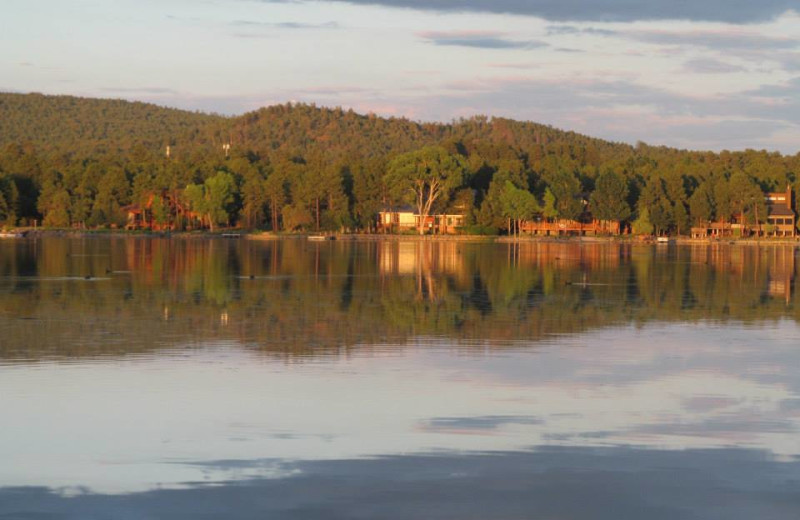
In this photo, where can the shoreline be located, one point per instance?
(358, 237)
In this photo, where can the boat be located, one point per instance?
(320, 238)
(12, 234)
(664, 240)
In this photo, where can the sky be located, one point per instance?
(696, 74)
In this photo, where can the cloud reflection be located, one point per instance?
(673, 387)
(574, 483)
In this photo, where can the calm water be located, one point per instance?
(157, 378)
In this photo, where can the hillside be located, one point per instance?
(78, 126)
(78, 161)
(84, 125)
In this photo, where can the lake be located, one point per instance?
(195, 378)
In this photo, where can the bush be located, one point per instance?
(642, 225)
(477, 229)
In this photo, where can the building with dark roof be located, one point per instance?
(781, 220)
(781, 217)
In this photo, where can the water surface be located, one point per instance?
(191, 378)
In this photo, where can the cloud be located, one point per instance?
(776, 102)
(790, 405)
(138, 90)
(780, 53)
(254, 29)
(621, 110)
(723, 39)
(478, 40)
(711, 66)
(789, 61)
(284, 25)
(331, 90)
(511, 65)
(556, 30)
(480, 424)
(731, 11)
(732, 428)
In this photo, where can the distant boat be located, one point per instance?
(320, 238)
(12, 234)
(231, 235)
(664, 240)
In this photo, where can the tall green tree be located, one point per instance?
(609, 201)
(213, 199)
(220, 192)
(518, 205)
(549, 209)
(642, 224)
(680, 217)
(425, 176)
(369, 191)
(723, 208)
(9, 200)
(701, 204)
(566, 188)
(276, 189)
(659, 208)
(113, 192)
(254, 200)
(747, 199)
(54, 203)
(492, 212)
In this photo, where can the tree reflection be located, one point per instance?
(108, 296)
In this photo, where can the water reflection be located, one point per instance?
(397, 379)
(579, 484)
(292, 298)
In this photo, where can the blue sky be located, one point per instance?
(707, 74)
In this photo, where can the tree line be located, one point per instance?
(68, 162)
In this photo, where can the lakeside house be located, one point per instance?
(143, 216)
(780, 213)
(585, 225)
(559, 227)
(781, 220)
(406, 218)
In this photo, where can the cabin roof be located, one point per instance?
(780, 211)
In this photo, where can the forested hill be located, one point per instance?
(76, 161)
(80, 125)
(77, 126)
(345, 132)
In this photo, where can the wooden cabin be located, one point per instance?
(571, 227)
(142, 216)
(406, 218)
(780, 213)
(781, 220)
